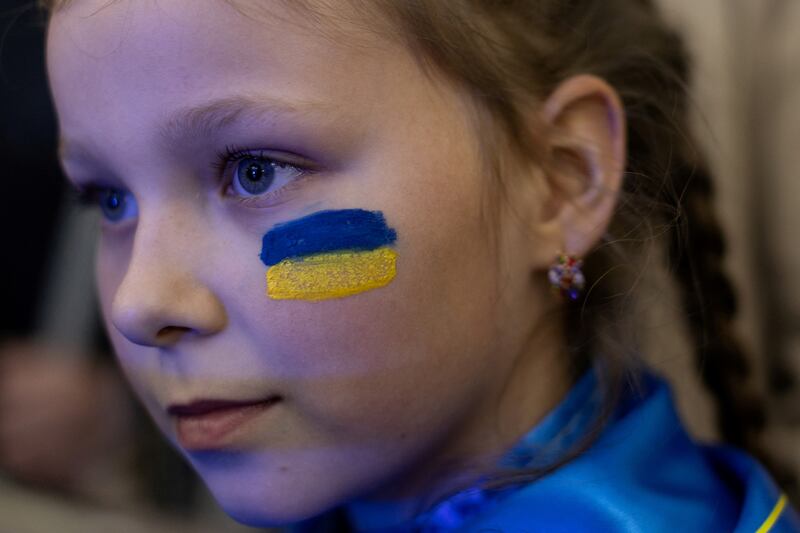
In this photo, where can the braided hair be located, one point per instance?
(501, 49)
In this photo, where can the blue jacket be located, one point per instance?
(643, 474)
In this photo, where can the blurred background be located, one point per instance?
(78, 454)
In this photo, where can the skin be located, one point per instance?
(388, 395)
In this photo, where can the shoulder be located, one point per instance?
(764, 508)
(645, 474)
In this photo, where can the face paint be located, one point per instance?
(329, 254)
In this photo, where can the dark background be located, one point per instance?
(32, 186)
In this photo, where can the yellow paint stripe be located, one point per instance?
(331, 275)
(773, 516)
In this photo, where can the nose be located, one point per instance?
(161, 299)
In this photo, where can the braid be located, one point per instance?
(490, 48)
(697, 251)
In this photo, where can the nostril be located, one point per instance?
(154, 307)
(170, 334)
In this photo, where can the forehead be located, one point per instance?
(218, 30)
(130, 61)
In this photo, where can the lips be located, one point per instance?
(209, 424)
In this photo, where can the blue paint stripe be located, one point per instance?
(326, 231)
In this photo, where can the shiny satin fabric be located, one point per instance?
(643, 474)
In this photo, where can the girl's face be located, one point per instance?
(377, 386)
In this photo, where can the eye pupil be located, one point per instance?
(254, 172)
(113, 201)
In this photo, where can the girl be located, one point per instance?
(331, 233)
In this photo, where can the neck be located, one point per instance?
(535, 383)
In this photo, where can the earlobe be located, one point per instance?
(587, 161)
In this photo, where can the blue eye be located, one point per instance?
(116, 204)
(253, 176)
(256, 176)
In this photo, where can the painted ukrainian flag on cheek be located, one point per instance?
(329, 254)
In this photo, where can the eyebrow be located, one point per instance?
(204, 119)
(220, 113)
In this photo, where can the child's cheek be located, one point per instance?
(329, 254)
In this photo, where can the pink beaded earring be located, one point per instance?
(567, 277)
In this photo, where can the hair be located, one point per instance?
(507, 52)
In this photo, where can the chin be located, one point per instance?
(261, 497)
(289, 510)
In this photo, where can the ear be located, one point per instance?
(587, 153)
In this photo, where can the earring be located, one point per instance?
(566, 276)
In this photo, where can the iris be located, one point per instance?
(254, 176)
(116, 204)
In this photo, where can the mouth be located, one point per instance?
(210, 424)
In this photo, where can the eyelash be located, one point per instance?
(233, 154)
(87, 195)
